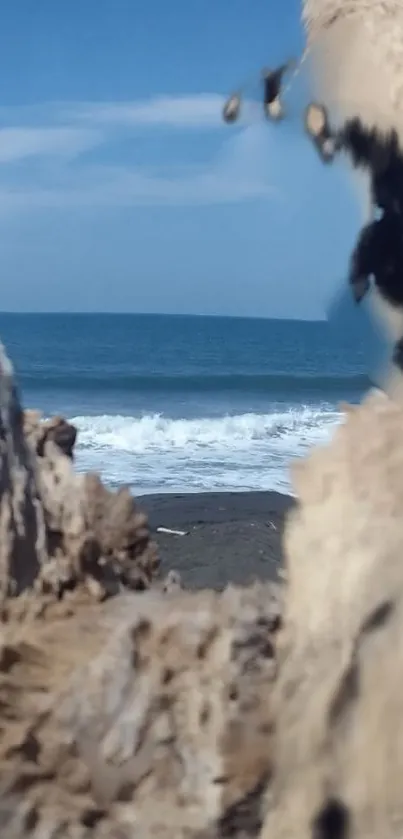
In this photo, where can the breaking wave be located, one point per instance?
(154, 453)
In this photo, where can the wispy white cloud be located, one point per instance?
(239, 171)
(183, 112)
(21, 142)
(196, 111)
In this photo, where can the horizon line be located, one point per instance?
(55, 312)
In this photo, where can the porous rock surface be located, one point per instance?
(147, 715)
(88, 534)
(338, 701)
(22, 526)
(39, 431)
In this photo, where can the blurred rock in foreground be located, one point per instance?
(147, 715)
(339, 695)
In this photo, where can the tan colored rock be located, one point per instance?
(339, 698)
(95, 536)
(56, 429)
(31, 422)
(144, 716)
(60, 432)
(22, 527)
(119, 532)
(59, 529)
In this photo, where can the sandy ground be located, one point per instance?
(230, 537)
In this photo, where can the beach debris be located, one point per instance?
(172, 532)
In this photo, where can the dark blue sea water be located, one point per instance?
(184, 403)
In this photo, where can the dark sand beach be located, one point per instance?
(230, 537)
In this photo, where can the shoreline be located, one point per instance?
(231, 537)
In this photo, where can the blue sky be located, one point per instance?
(121, 189)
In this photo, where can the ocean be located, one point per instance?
(188, 404)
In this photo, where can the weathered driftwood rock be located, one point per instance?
(148, 715)
(22, 527)
(59, 529)
(39, 431)
(339, 698)
(102, 535)
(120, 533)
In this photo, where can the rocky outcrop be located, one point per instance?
(56, 429)
(95, 537)
(59, 529)
(149, 715)
(22, 525)
(339, 701)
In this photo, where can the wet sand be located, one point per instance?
(230, 537)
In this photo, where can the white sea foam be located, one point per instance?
(153, 453)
